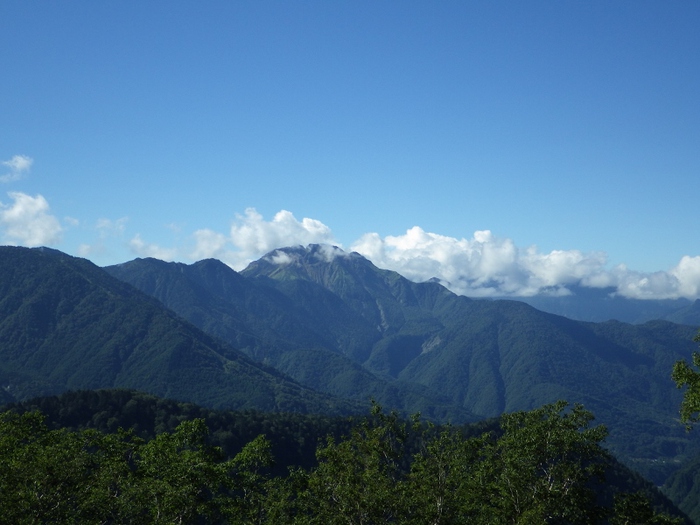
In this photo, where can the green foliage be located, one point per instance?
(686, 376)
(541, 469)
(543, 466)
(357, 480)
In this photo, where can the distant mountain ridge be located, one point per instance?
(316, 319)
(604, 304)
(336, 322)
(312, 336)
(67, 324)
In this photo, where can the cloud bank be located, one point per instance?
(482, 266)
(18, 166)
(27, 221)
(488, 266)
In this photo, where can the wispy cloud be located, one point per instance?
(143, 249)
(28, 222)
(111, 228)
(18, 167)
(107, 229)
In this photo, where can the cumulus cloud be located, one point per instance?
(683, 280)
(483, 265)
(28, 221)
(251, 236)
(18, 167)
(488, 266)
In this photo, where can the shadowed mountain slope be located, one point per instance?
(330, 317)
(305, 330)
(66, 324)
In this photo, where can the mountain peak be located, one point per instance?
(312, 252)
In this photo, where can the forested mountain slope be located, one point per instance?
(312, 335)
(66, 324)
(320, 304)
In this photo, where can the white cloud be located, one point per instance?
(209, 244)
(281, 258)
(251, 236)
(107, 229)
(18, 166)
(143, 249)
(683, 280)
(27, 221)
(488, 266)
(481, 266)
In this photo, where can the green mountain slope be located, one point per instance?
(336, 322)
(67, 324)
(683, 488)
(304, 330)
(494, 356)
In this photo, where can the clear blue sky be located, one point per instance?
(127, 127)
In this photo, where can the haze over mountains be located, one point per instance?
(317, 329)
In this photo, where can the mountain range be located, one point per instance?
(316, 329)
(67, 324)
(333, 321)
(604, 304)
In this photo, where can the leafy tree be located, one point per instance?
(250, 483)
(43, 472)
(540, 470)
(356, 482)
(179, 477)
(686, 376)
(441, 487)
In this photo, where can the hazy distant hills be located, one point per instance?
(334, 321)
(67, 324)
(602, 304)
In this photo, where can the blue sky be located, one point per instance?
(504, 147)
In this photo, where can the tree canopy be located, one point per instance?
(541, 466)
(688, 375)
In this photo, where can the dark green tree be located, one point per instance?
(179, 478)
(45, 473)
(687, 375)
(441, 488)
(542, 467)
(357, 479)
(249, 501)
